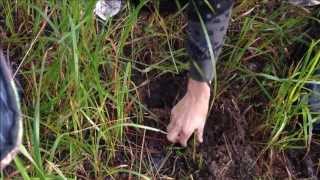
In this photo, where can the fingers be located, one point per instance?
(185, 136)
(173, 132)
(178, 132)
(187, 117)
(199, 135)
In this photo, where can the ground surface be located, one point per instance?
(233, 145)
(89, 86)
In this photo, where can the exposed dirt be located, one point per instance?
(227, 150)
(233, 141)
(233, 145)
(234, 138)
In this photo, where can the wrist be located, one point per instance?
(198, 89)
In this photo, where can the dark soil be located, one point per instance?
(234, 139)
(233, 143)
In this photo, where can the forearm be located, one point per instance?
(204, 45)
(207, 27)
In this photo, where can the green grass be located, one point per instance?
(80, 95)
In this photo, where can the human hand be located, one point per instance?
(189, 115)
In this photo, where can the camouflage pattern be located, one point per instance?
(206, 18)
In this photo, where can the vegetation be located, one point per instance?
(82, 77)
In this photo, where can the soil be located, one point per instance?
(227, 150)
(233, 140)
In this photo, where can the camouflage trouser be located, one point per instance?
(208, 23)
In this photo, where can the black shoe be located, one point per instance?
(10, 115)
